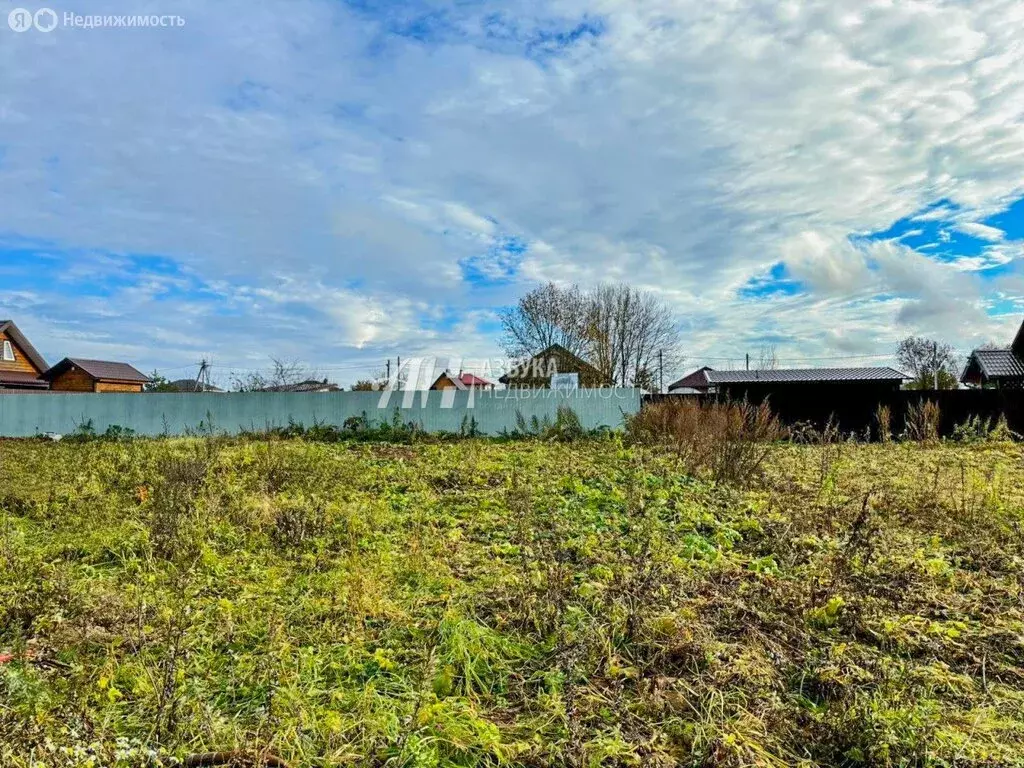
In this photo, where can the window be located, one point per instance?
(8, 351)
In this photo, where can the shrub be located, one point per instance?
(566, 426)
(728, 441)
(976, 429)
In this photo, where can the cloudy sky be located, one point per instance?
(344, 182)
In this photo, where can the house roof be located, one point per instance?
(10, 329)
(696, 379)
(472, 380)
(20, 379)
(456, 381)
(520, 371)
(191, 385)
(816, 375)
(998, 363)
(310, 385)
(101, 370)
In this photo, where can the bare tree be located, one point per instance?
(630, 333)
(546, 315)
(282, 374)
(768, 359)
(626, 333)
(931, 363)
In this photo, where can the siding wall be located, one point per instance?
(26, 415)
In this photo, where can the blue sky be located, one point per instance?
(345, 182)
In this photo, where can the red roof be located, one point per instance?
(474, 381)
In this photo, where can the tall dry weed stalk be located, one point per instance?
(883, 422)
(923, 419)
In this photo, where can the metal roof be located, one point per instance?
(805, 375)
(20, 379)
(310, 385)
(696, 379)
(191, 385)
(998, 363)
(103, 370)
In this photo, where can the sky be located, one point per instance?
(340, 183)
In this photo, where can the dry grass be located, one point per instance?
(523, 603)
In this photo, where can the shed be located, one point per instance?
(75, 374)
(758, 385)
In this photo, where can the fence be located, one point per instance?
(854, 411)
(491, 412)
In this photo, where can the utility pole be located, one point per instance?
(203, 377)
(661, 372)
(935, 364)
(748, 361)
(389, 369)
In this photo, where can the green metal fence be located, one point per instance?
(26, 415)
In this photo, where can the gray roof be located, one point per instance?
(191, 385)
(998, 363)
(103, 370)
(311, 385)
(805, 375)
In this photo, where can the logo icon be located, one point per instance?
(45, 20)
(20, 20)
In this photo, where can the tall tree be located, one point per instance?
(630, 333)
(929, 362)
(546, 315)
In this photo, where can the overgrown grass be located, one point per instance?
(533, 602)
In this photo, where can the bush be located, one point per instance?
(728, 441)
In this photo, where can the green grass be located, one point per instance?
(521, 603)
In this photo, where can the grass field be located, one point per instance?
(509, 603)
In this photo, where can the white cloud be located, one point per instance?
(683, 148)
(982, 231)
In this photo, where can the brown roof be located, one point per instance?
(695, 380)
(8, 327)
(19, 379)
(101, 370)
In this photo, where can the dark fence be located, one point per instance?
(853, 410)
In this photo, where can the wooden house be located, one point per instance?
(463, 381)
(73, 374)
(21, 367)
(556, 359)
